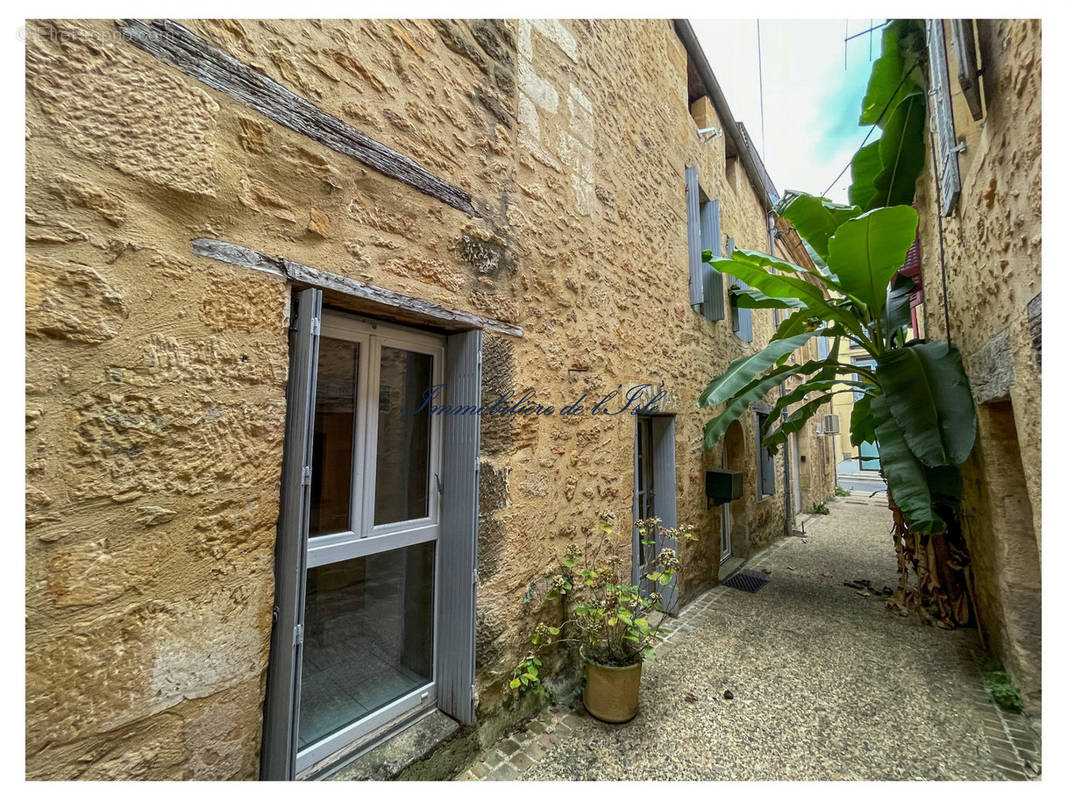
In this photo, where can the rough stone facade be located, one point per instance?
(156, 378)
(989, 302)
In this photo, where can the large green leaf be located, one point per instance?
(884, 172)
(946, 485)
(904, 474)
(797, 420)
(927, 391)
(751, 298)
(903, 152)
(771, 284)
(817, 383)
(867, 251)
(866, 165)
(786, 287)
(897, 316)
(743, 370)
(758, 259)
(753, 391)
(795, 323)
(861, 427)
(888, 82)
(815, 218)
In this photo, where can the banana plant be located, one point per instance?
(915, 403)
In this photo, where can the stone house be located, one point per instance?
(253, 248)
(979, 201)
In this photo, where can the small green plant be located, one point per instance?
(999, 685)
(841, 491)
(820, 508)
(600, 609)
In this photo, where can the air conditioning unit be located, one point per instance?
(831, 424)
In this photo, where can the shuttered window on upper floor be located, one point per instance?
(740, 318)
(948, 168)
(704, 232)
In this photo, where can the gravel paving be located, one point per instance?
(826, 683)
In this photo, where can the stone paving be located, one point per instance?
(825, 683)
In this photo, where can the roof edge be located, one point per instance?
(759, 178)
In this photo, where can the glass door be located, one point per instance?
(368, 621)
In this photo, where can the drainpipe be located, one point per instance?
(772, 232)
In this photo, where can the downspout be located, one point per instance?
(772, 232)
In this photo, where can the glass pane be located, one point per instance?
(403, 477)
(331, 460)
(368, 636)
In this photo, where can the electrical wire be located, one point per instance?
(762, 126)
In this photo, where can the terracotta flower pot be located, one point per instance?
(610, 693)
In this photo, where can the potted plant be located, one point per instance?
(614, 623)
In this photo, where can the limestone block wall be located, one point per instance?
(156, 378)
(990, 303)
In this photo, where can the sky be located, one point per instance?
(811, 102)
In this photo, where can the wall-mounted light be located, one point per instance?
(707, 134)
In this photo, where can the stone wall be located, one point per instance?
(992, 290)
(156, 378)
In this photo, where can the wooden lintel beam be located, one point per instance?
(183, 49)
(375, 298)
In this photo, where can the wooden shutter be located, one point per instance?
(663, 478)
(948, 156)
(765, 460)
(740, 318)
(457, 578)
(711, 239)
(282, 706)
(692, 222)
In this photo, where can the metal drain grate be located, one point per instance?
(746, 581)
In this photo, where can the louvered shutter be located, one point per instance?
(711, 239)
(740, 318)
(765, 461)
(948, 157)
(692, 222)
(459, 528)
(282, 704)
(663, 478)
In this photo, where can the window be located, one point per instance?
(375, 558)
(740, 318)
(865, 361)
(703, 233)
(765, 475)
(948, 167)
(369, 611)
(823, 345)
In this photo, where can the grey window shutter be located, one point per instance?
(711, 239)
(457, 581)
(765, 461)
(692, 224)
(282, 706)
(948, 154)
(740, 318)
(666, 495)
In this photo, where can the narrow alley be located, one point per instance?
(825, 684)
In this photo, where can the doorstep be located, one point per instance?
(386, 758)
(730, 566)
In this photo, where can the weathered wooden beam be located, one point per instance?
(181, 48)
(370, 298)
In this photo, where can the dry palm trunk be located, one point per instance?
(931, 573)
